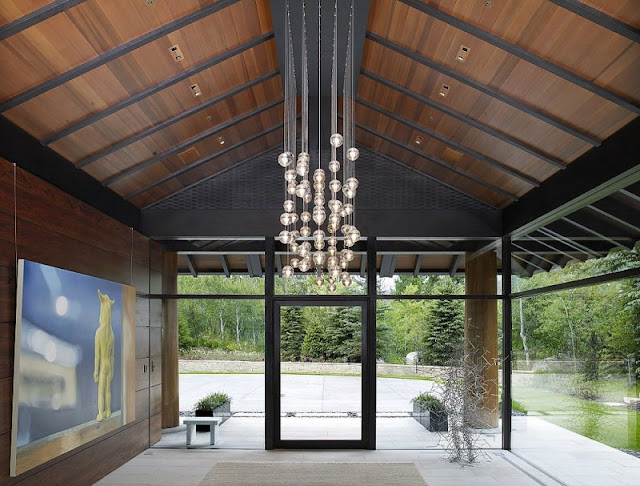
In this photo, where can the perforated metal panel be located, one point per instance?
(259, 184)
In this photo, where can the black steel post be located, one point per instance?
(506, 343)
(369, 359)
(269, 348)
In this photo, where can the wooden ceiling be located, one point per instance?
(542, 82)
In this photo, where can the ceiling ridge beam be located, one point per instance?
(630, 195)
(40, 15)
(494, 93)
(477, 155)
(387, 265)
(91, 119)
(201, 161)
(114, 53)
(465, 119)
(594, 233)
(522, 53)
(440, 162)
(600, 18)
(435, 179)
(249, 159)
(193, 140)
(174, 119)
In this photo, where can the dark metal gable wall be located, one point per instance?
(259, 184)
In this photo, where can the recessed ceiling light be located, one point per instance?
(149, 2)
(176, 53)
(195, 89)
(221, 140)
(488, 4)
(462, 53)
(444, 90)
(418, 140)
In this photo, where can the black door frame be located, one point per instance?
(273, 304)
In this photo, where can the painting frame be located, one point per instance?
(26, 457)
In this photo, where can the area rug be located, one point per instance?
(312, 474)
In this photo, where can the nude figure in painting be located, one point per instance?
(103, 369)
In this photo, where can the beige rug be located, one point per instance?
(312, 474)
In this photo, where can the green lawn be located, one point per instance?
(613, 426)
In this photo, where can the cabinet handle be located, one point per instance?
(153, 367)
(144, 368)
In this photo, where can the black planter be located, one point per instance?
(223, 411)
(431, 420)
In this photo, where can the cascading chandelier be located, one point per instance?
(339, 227)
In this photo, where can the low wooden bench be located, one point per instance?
(191, 422)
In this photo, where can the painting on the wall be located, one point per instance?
(74, 362)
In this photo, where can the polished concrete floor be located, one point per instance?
(188, 467)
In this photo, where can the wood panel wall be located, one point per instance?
(54, 228)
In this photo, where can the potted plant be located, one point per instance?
(430, 412)
(213, 405)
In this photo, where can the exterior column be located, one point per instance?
(170, 396)
(481, 330)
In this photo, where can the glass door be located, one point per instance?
(319, 382)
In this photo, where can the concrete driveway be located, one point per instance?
(301, 393)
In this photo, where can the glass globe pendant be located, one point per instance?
(302, 168)
(289, 206)
(336, 140)
(290, 175)
(348, 209)
(334, 273)
(347, 255)
(354, 235)
(304, 157)
(353, 154)
(319, 215)
(319, 281)
(304, 249)
(318, 176)
(305, 216)
(350, 193)
(318, 199)
(304, 265)
(334, 166)
(318, 258)
(291, 188)
(293, 247)
(285, 219)
(305, 231)
(287, 271)
(318, 244)
(331, 287)
(335, 185)
(285, 237)
(332, 250)
(285, 159)
(351, 183)
(335, 205)
(318, 235)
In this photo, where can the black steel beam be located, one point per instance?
(594, 232)
(528, 263)
(26, 152)
(600, 18)
(569, 242)
(494, 93)
(507, 328)
(370, 363)
(363, 266)
(522, 53)
(465, 119)
(114, 53)
(225, 265)
(614, 218)
(448, 141)
(174, 119)
(279, 265)
(203, 160)
(68, 130)
(211, 132)
(630, 194)
(220, 224)
(191, 266)
(551, 247)
(521, 271)
(37, 16)
(418, 265)
(388, 265)
(455, 263)
(539, 257)
(585, 282)
(440, 162)
(598, 173)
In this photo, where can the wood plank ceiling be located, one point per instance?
(539, 84)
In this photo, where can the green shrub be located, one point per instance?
(429, 402)
(212, 401)
(518, 407)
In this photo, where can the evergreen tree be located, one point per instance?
(445, 330)
(314, 345)
(344, 335)
(291, 333)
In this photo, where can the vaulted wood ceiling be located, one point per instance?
(541, 83)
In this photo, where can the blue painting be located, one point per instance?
(70, 363)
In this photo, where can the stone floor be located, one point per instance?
(188, 467)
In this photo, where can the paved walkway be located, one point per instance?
(302, 393)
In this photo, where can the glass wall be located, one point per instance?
(576, 357)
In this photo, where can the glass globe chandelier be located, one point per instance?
(320, 238)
